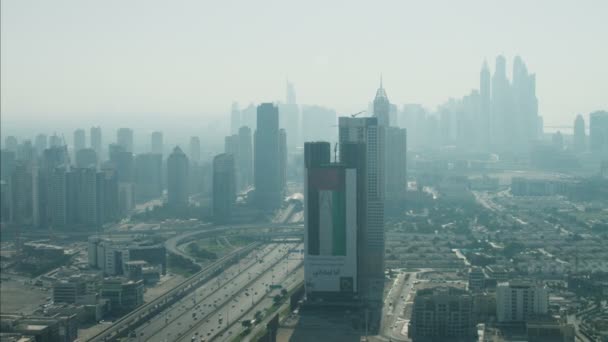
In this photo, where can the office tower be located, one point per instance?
(26, 152)
(524, 106)
(177, 178)
(395, 163)
(366, 130)
(123, 162)
(580, 138)
(195, 150)
(7, 164)
(10, 143)
(40, 143)
(79, 140)
(231, 146)
(484, 106)
(124, 138)
(442, 314)
(244, 163)
(290, 117)
(224, 187)
(96, 142)
(413, 118)
(235, 118)
(57, 198)
(5, 202)
(393, 115)
(156, 140)
(598, 132)
(290, 93)
(333, 220)
(21, 190)
(148, 177)
(86, 157)
(268, 192)
(500, 103)
(81, 202)
(290, 122)
(283, 160)
(249, 117)
(382, 107)
(110, 195)
(55, 141)
(318, 123)
(519, 301)
(558, 141)
(54, 157)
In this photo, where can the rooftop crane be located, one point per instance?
(356, 114)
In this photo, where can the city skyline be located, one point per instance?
(108, 77)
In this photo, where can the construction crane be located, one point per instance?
(352, 116)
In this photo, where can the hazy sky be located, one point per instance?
(91, 61)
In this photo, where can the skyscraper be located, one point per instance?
(195, 150)
(148, 176)
(290, 117)
(598, 132)
(500, 103)
(21, 189)
(484, 122)
(382, 106)
(177, 178)
(96, 142)
(156, 142)
(123, 163)
(224, 187)
(371, 273)
(332, 221)
(55, 141)
(57, 198)
(395, 163)
(318, 123)
(231, 146)
(124, 138)
(79, 140)
(235, 118)
(86, 157)
(244, 163)
(82, 190)
(283, 159)
(40, 143)
(267, 180)
(11, 143)
(580, 138)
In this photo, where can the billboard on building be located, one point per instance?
(331, 230)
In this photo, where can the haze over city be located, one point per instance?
(281, 171)
(84, 62)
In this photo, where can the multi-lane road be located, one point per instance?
(214, 310)
(394, 320)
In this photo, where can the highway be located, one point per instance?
(294, 278)
(223, 299)
(394, 321)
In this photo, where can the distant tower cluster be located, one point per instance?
(513, 112)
